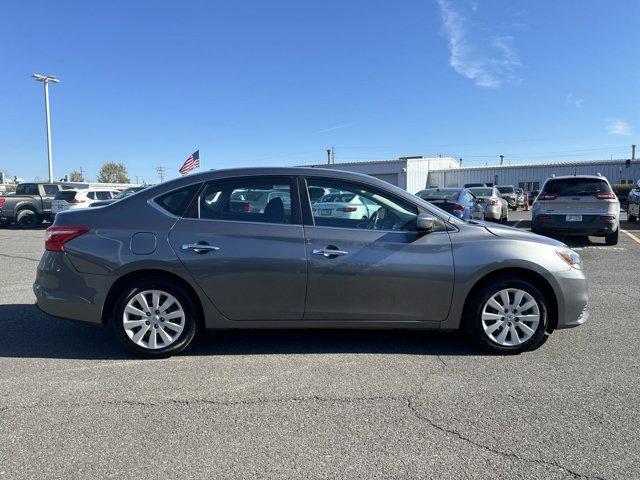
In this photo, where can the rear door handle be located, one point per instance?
(200, 247)
(329, 252)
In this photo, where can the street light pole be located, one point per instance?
(45, 79)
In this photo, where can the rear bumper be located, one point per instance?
(62, 291)
(590, 225)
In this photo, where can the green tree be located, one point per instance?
(76, 176)
(112, 172)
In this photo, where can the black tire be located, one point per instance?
(632, 218)
(612, 238)
(27, 218)
(472, 316)
(185, 338)
(514, 208)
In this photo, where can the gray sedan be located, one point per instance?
(178, 258)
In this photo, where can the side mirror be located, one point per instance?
(425, 222)
(479, 200)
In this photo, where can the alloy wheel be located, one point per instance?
(153, 319)
(510, 317)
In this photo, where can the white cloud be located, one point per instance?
(577, 102)
(618, 127)
(488, 60)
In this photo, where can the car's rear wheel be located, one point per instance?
(612, 238)
(27, 218)
(508, 315)
(155, 318)
(632, 218)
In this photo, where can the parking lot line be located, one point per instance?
(631, 236)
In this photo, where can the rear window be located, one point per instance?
(575, 187)
(66, 195)
(505, 189)
(481, 192)
(440, 195)
(103, 195)
(337, 198)
(177, 201)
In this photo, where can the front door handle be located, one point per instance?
(200, 247)
(329, 252)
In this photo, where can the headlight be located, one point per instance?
(570, 257)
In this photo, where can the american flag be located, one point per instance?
(190, 163)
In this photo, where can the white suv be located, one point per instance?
(577, 205)
(70, 199)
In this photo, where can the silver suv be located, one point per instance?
(577, 205)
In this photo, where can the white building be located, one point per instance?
(415, 173)
(532, 176)
(409, 173)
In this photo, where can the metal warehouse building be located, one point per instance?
(415, 173)
(532, 176)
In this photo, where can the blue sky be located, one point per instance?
(278, 82)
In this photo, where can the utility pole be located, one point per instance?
(161, 171)
(45, 79)
(633, 152)
(501, 159)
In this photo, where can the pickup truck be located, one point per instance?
(31, 204)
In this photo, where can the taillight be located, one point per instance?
(458, 208)
(2, 200)
(346, 209)
(605, 196)
(493, 202)
(246, 207)
(608, 218)
(546, 196)
(543, 217)
(58, 236)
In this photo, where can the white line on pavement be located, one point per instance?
(631, 236)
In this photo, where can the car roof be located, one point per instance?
(564, 177)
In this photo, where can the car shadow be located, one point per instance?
(29, 333)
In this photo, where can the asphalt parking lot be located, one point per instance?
(334, 404)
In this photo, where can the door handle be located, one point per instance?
(200, 247)
(329, 252)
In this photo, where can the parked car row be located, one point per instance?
(34, 203)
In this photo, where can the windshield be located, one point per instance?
(482, 192)
(440, 194)
(575, 187)
(505, 189)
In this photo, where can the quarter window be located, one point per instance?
(266, 200)
(177, 201)
(350, 205)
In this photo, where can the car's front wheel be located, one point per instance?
(508, 315)
(155, 318)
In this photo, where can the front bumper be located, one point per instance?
(572, 296)
(590, 225)
(62, 291)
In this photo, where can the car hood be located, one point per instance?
(519, 234)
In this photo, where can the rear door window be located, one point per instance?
(103, 195)
(50, 189)
(266, 200)
(576, 187)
